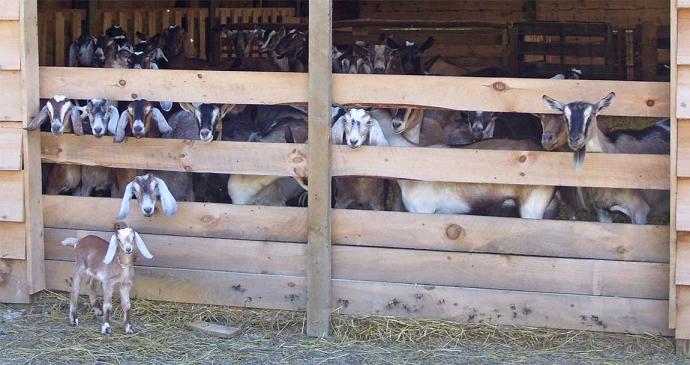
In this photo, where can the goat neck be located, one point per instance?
(599, 141)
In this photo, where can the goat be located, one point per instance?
(367, 192)
(268, 43)
(139, 116)
(209, 118)
(356, 59)
(444, 197)
(419, 127)
(294, 47)
(485, 125)
(147, 189)
(384, 59)
(82, 51)
(410, 54)
(63, 114)
(636, 204)
(102, 117)
(95, 259)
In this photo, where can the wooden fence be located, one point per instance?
(57, 28)
(557, 274)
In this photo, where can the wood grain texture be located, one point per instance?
(432, 164)
(11, 196)
(683, 204)
(12, 241)
(623, 242)
(682, 312)
(682, 267)
(32, 148)
(525, 273)
(10, 149)
(464, 305)
(9, 45)
(9, 9)
(175, 85)
(11, 102)
(13, 287)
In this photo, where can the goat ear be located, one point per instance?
(168, 202)
(376, 136)
(391, 43)
(225, 109)
(112, 248)
(166, 105)
(142, 36)
(188, 107)
(113, 119)
(120, 127)
(553, 103)
(281, 32)
(39, 119)
(163, 127)
(126, 197)
(604, 103)
(141, 246)
(338, 131)
(427, 44)
(75, 117)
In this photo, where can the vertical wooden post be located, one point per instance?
(319, 217)
(92, 16)
(33, 203)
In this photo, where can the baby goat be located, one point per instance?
(95, 258)
(146, 189)
(138, 116)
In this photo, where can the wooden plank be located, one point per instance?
(683, 92)
(683, 204)
(502, 307)
(60, 41)
(11, 196)
(9, 45)
(511, 167)
(32, 150)
(12, 241)
(13, 286)
(649, 99)
(674, 165)
(319, 211)
(634, 98)
(682, 4)
(623, 242)
(683, 312)
(527, 273)
(10, 149)
(508, 167)
(682, 268)
(9, 10)
(683, 148)
(188, 86)
(11, 103)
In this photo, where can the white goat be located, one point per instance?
(147, 189)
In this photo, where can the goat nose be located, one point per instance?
(353, 142)
(148, 210)
(138, 128)
(548, 137)
(55, 128)
(98, 130)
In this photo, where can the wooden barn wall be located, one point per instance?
(21, 244)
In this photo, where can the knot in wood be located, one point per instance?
(201, 76)
(122, 82)
(683, 105)
(650, 103)
(135, 96)
(499, 86)
(453, 231)
(621, 250)
(522, 159)
(187, 168)
(207, 218)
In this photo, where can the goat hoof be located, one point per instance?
(106, 330)
(128, 329)
(73, 321)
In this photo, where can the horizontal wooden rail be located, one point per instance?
(650, 99)
(454, 233)
(503, 307)
(431, 164)
(525, 273)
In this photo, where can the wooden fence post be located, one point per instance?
(319, 217)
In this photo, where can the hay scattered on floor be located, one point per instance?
(40, 335)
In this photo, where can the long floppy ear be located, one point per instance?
(338, 131)
(376, 137)
(126, 197)
(188, 107)
(604, 103)
(120, 127)
(553, 103)
(75, 116)
(225, 109)
(141, 246)
(162, 124)
(39, 119)
(114, 117)
(166, 105)
(427, 44)
(168, 202)
(112, 248)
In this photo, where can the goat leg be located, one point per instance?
(126, 307)
(74, 298)
(93, 297)
(107, 308)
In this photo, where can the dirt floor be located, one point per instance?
(39, 334)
